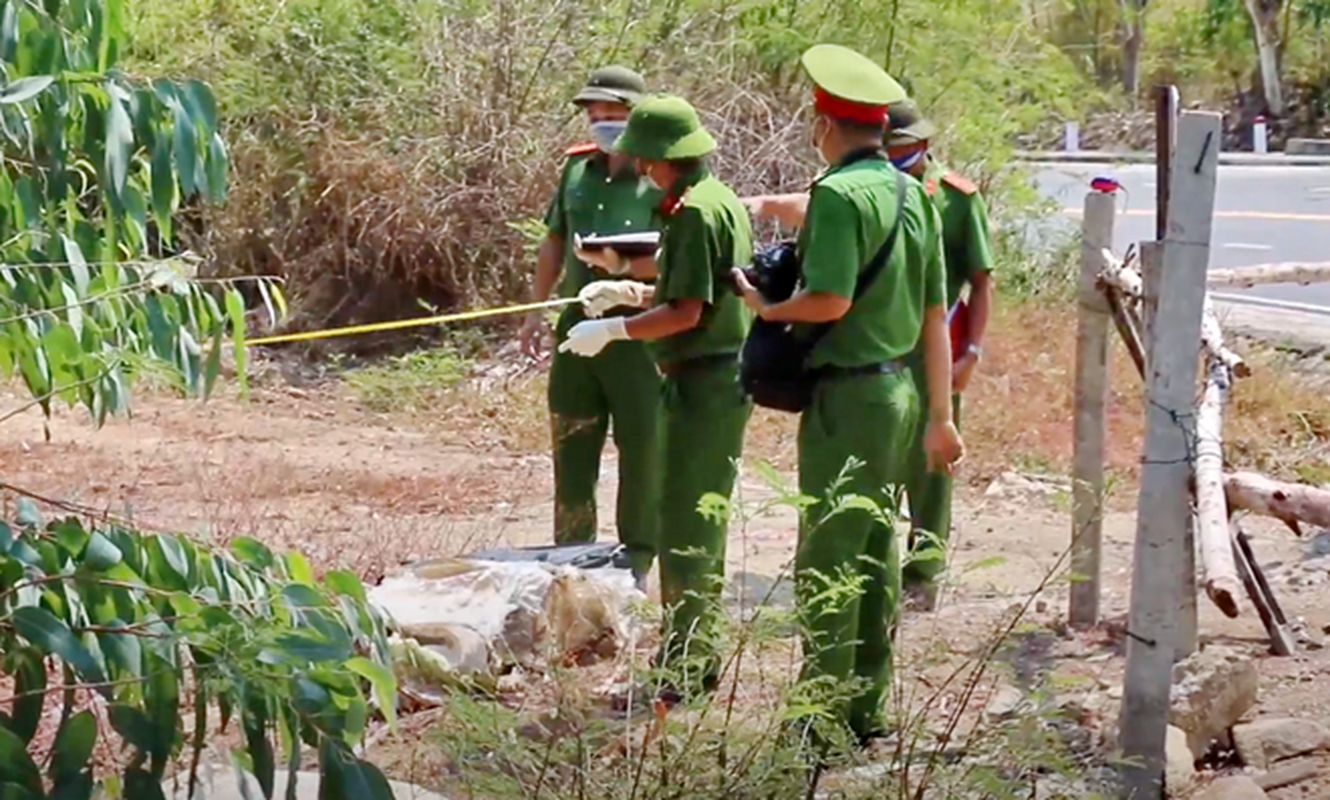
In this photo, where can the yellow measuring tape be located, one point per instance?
(442, 319)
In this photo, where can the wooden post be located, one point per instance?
(1090, 419)
(1166, 119)
(1155, 630)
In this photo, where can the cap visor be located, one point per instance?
(918, 132)
(598, 94)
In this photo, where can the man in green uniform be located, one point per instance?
(697, 327)
(600, 192)
(969, 261)
(865, 406)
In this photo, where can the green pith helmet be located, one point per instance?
(665, 128)
(906, 125)
(847, 75)
(612, 85)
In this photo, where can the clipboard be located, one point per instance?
(639, 243)
(958, 325)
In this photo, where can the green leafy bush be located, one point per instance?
(151, 623)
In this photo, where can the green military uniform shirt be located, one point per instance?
(704, 239)
(850, 212)
(591, 200)
(965, 238)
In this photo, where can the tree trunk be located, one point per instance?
(1265, 21)
(1132, 30)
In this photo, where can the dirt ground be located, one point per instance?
(307, 469)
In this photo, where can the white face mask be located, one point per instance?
(607, 132)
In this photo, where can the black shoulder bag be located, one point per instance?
(773, 367)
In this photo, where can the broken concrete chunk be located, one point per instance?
(1289, 773)
(1004, 704)
(1212, 689)
(1234, 788)
(1266, 741)
(1180, 771)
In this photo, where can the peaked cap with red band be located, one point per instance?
(848, 86)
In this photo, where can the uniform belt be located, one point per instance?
(692, 366)
(832, 372)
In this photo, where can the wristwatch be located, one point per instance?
(974, 350)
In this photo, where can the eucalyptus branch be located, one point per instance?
(51, 395)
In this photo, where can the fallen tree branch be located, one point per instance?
(1291, 503)
(1221, 572)
(1287, 272)
(1127, 323)
(1121, 275)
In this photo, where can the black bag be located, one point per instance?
(773, 367)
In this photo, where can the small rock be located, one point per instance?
(1212, 689)
(1319, 546)
(1266, 741)
(1180, 771)
(1004, 703)
(1234, 788)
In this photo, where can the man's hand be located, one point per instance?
(943, 447)
(606, 259)
(589, 337)
(962, 371)
(788, 209)
(752, 297)
(601, 296)
(532, 337)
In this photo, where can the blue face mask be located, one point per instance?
(908, 162)
(607, 132)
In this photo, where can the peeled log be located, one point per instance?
(1122, 276)
(1286, 272)
(1291, 503)
(1212, 340)
(1221, 572)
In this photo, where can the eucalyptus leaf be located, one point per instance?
(40, 627)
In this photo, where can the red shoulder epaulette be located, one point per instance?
(960, 183)
(581, 149)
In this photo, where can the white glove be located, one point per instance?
(589, 337)
(601, 296)
(606, 259)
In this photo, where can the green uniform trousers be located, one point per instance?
(585, 394)
(929, 495)
(870, 419)
(705, 416)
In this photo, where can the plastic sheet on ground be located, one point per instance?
(463, 620)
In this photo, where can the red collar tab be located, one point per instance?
(671, 205)
(581, 149)
(848, 110)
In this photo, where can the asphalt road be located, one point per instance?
(1263, 214)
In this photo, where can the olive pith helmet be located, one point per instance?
(613, 84)
(850, 86)
(665, 128)
(906, 125)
